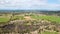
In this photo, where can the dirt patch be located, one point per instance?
(27, 17)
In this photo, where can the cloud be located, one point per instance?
(27, 4)
(22, 3)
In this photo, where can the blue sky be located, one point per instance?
(30, 4)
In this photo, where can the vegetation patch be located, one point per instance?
(4, 19)
(47, 32)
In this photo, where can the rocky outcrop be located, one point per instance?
(34, 27)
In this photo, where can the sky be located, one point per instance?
(30, 4)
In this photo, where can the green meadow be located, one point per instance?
(4, 19)
(47, 17)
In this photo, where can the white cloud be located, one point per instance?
(21, 2)
(27, 4)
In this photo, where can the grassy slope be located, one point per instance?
(50, 18)
(4, 19)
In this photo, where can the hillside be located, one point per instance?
(30, 22)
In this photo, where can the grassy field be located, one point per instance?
(4, 19)
(46, 17)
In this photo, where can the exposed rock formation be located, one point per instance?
(34, 27)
